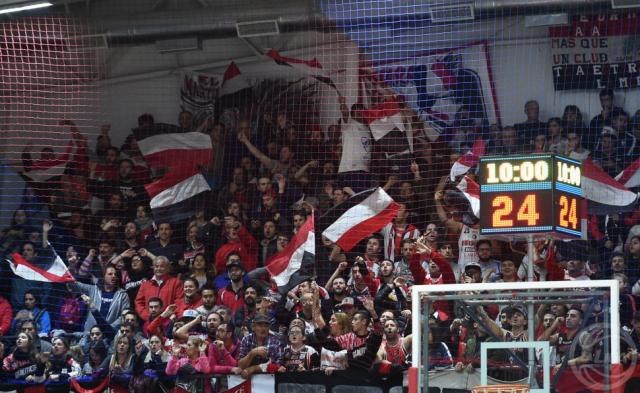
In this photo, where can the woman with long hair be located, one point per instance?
(200, 273)
(557, 143)
(121, 364)
(23, 361)
(61, 365)
(186, 366)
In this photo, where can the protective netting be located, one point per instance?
(210, 131)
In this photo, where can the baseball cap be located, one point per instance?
(512, 310)
(472, 264)
(261, 318)
(189, 314)
(346, 302)
(235, 264)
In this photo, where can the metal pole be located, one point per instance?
(530, 318)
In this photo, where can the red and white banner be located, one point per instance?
(599, 187)
(469, 160)
(471, 191)
(233, 80)
(56, 272)
(630, 176)
(363, 219)
(301, 250)
(594, 52)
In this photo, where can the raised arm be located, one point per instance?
(338, 272)
(266, 161)
(442, 214)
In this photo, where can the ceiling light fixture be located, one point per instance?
(25, 7)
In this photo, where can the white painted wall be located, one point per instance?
(523, 71)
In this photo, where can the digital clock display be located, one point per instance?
(530, 194)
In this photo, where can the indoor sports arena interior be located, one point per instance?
(320, 196)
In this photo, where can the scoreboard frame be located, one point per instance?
(531, 194)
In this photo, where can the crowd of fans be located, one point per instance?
(154, 299)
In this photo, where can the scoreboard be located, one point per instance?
(534, 193)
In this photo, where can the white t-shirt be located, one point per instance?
(356, 147)
(467, 246)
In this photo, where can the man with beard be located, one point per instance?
(245, 314)
(372, 254)
(337, 289)
(483, 249)
(131, 237)
(233, 295)
(401, 263)
(208, 301)
(269, 242)
(390, 293)
(109, 300)
(394, 348)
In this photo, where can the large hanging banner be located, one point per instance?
(597, 52)
(440, 84)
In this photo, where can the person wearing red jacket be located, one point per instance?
(420, 277)
(161, 285)
(191, 299)
(6, 315)
(239, 240)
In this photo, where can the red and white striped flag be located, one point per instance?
(181, 156)
(363, 219)
(56, 272)
(312, 67)
(469, 160)
(630, 176)
(384, 118)
(604, 193)
(471, 190)
(299, 252)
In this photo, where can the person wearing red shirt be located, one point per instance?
(191, 299)
(161, 285)
(239, 240)
(233, 295)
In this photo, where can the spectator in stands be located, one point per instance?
(269, 242)
(98, 359)
(557, 143)
(575, 149)
(61, 365)
(221, 360)
(572, 120)
(532, 126)
(161, 285)
(396, 231)
(606, 154)
(165, 246)
(194, 247)
(485, 258)
(136, 271)
(394, 349)
(191, 299)
(261, 350)
(155, 358)
(233, 295)
(110, 301)
(203, 274)
(607, 102)
(33, 312)
(194, 361)
(31, 328)
(25, 362)
(562, 340)
(208, 295)
(121, 364)
(298, 356)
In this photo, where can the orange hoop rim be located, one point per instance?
(511, 388)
